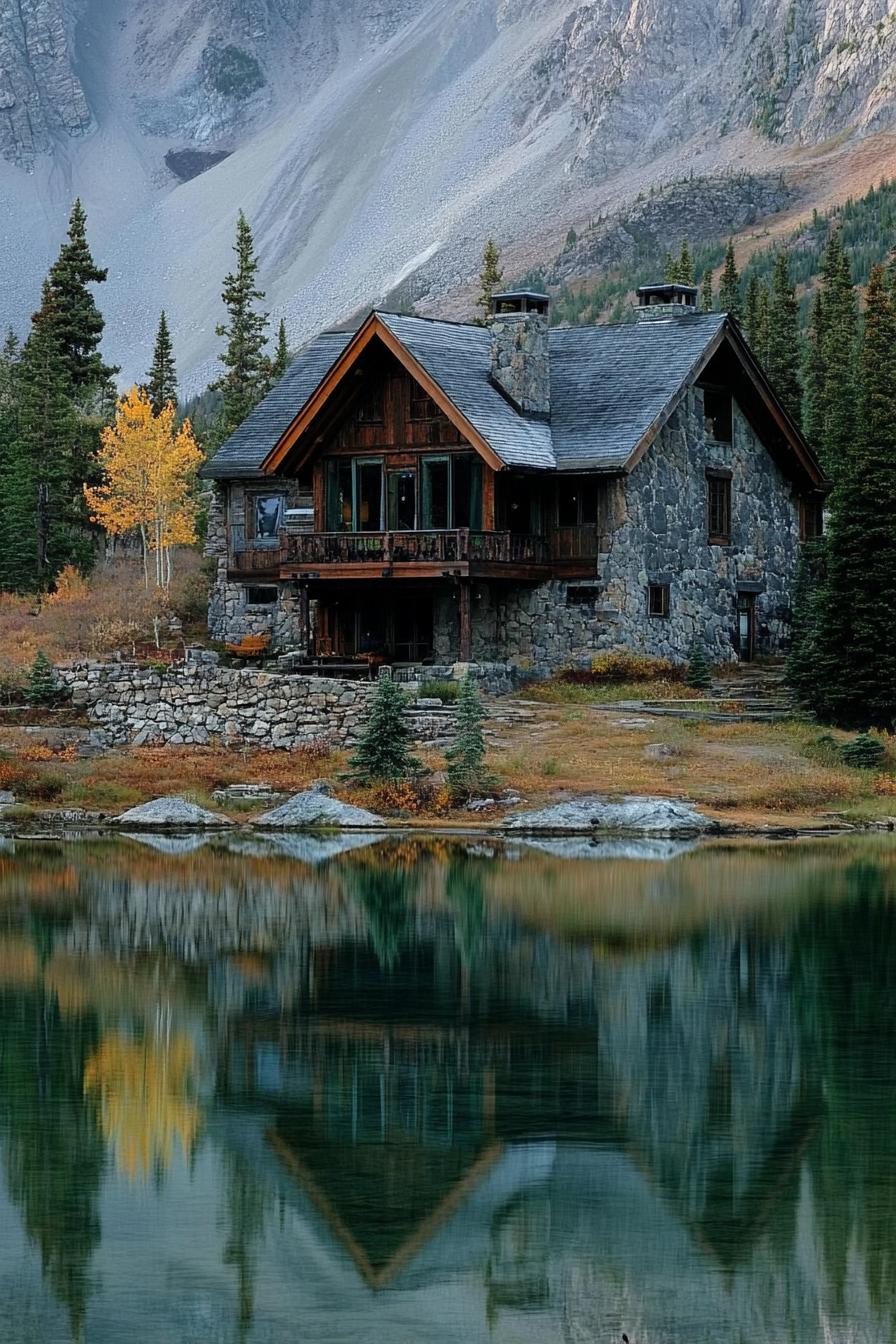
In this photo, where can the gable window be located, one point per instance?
(370, 407)
(718, 412)
(260, 595)
(658, 599)
(718, 507)
(423, 407)
(265, 519)
(451, 492)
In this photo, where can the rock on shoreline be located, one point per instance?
(617, 816)
(312, 809)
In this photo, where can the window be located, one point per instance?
(423, 407)
(451, 493)
(261, 596)
(402, 491)
(811, 519)
(718, 412)
(370, 407)
(265, 519)
(354, 494)
(576, 502)
(658, 599)
(718, 507)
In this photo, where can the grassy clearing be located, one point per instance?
(603, 693)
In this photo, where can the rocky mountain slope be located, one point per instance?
(375, 143)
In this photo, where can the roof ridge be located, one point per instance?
(435, 321)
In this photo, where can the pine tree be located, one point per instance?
(466, 774)
(43, 523)
(383, 751)
(760, 344)
(707, 300)
(42, 684)
(813, 376)
(490, 279)
(161, 380)
(751, 310)
(685, 264)
(248, 369)
(281, 359)
(76, 319)
(838, 399)
(783, 342)
(844, 664)
(670, 269)
(729, 286)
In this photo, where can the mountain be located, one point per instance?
(375, 144)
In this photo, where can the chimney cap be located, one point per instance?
(520, 301)
(686, 295)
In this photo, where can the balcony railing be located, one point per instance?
(458, 547)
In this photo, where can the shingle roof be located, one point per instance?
(246, 449)
(457, 357)
(610, 384)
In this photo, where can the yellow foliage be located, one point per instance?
(149, 468)
(71, 587)
(885, 785)
(145, 1092)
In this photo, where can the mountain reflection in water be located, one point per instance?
(419, 1090)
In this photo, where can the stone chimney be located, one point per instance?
(657, 303)
(520, 361)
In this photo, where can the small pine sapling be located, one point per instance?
(467, 774)
(383, 751)
(699, 674)
(42, 686)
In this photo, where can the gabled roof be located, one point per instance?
(612, 390)
(243, 453)
(612, 386)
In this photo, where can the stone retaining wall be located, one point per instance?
(199, 703)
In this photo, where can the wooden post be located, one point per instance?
(465, 614)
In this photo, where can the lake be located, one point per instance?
(440, 1090)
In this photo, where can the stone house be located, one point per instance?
(434, 492)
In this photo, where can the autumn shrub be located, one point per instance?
(612, 667)
(414, 797)
(316, 749)
(885, 786)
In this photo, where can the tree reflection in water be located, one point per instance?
(594, 1095)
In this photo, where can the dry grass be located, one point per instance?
(556, 692)
(111, 611)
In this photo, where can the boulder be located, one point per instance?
(170, 813)
(7, 799)
(313, 810)
(617, 816)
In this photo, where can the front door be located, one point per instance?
(746, 626)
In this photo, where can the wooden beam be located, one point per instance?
(465, 619)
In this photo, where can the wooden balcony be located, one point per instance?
(426, 554)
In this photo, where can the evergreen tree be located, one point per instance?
(281, 359)
(763, 304)
(751, 310)
(670, 269)
(248, 369)
(813, 376)
(783, 340)
(161, 380)
(383, 751)
(466, 774)
(685, 264)
(490, 279)
(838, 399)
(699, 673)
(844, 663)
(729, 286)
(75, 317)
(42, 685)
(707, 300)
(43, 521)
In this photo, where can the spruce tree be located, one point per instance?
(76, 319)
(838, 399)
(685, 264)
(844, 665)
(707, 300)
(751, 310)
(466, 774)
(490, 279)
(281, 359)
(760, 343)
(783, 341)
(383, 751)
(699, 670)
(248, 369)
(670, 269)
(814, 376)
(42, 684)
(729, 286)
(161, 380)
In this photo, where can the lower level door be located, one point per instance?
(746, 626)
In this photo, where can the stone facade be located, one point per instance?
(231, 613)
(655, 522)
(520, 360)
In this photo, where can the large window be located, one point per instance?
(265, 519)
(402, 492)
(451, 492)
(355, 494)
(718, 507)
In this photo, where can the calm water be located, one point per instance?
(439, 1092)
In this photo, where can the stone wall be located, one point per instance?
(200, 703)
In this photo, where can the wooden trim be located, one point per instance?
(374, 327)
